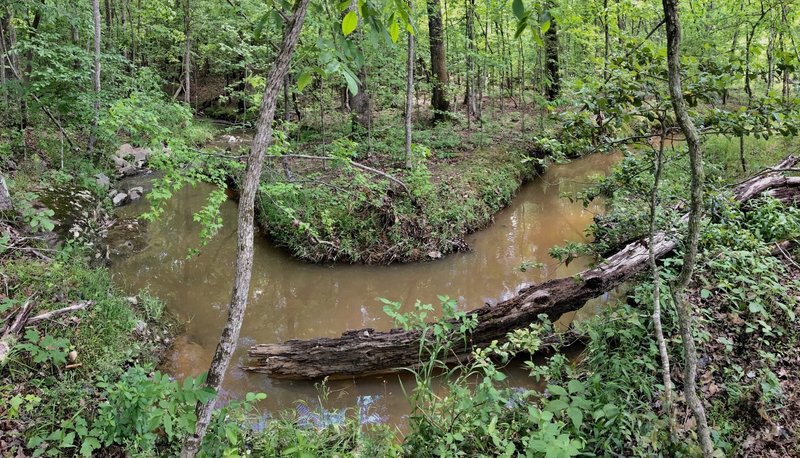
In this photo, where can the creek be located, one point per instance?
(291, 299)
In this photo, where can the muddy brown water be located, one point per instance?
(291, 299)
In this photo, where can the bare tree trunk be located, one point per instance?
(3, 57)
(439, 102)
(685, 317)
(553, 84)
(108, 16)
(469, 94)
(244, 257)
(359, 102)
(96, 74)
(657, 327)
(605, 39)
(187, 56)
(409, 89)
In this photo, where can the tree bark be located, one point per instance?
(553, 83)
(469, 93)
(244, 256)
(678, 288)
(366, 351)
(359, 102)
(657, 327)
(409, 88)
(5, 197)
(439, 102)
(95, 75)
(187, 55)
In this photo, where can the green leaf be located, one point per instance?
(556, 390)
(349, 23)
(575, 386)
(545, 26)
(705, 294)
(304, 80)
(518, 8)
(576, 416)
(556, 405)
(90, 444)
(394, 31)
(352, 82)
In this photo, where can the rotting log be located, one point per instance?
(364, 352)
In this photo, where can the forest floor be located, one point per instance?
(338, 211)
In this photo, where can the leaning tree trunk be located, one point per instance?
(409, 89)
(439, 102)
(366, 351)
(553, 83)
(244, 257)
(95, 74)
(678, 287)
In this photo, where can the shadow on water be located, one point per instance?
(291, 299)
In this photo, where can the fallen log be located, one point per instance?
(366, 351)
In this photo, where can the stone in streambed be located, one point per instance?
(120, 199)
(135, 193)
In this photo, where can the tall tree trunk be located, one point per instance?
(359, 102)
(469, 93)
(553, 84)
(108, 17)
(439, 102)
(657, 327)
(26, 75)
(187, 56)
(244, 242)
(683, 309)
(605, 40)
(3, 58)
(95, 74)
(409, 88)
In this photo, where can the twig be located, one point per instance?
(786, 255)
(62, 311)
(19, 321)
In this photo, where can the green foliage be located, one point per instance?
(144, 411)
(47, 349)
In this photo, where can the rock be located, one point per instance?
(435, 254)
(139, 155)
(230, 139)
(120, 199)
(120, 163)
(140, 328)
(135, 193)
(102, 180)
(124, 150)
(72, 356)
(133, 300)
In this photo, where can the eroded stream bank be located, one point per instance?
(292, 299)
